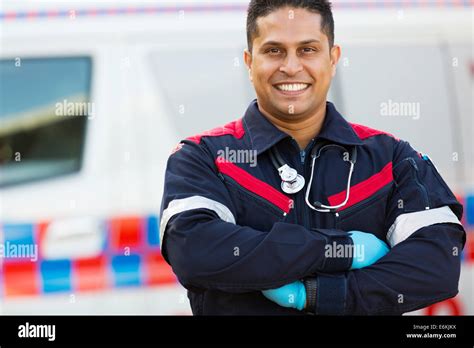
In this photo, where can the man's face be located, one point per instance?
(291, 64)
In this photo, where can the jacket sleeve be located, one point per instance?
(426, 240)
(207, 249)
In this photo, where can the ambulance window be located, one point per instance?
(44, 107)
(412, 98)
(202, 89)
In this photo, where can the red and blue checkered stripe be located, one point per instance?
(468, 223)
(130, 257)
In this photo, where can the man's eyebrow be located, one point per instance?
(276, 43)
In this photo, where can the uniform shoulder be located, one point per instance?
(365, 132)
(398, 147)
(194, 143)
(234, 128)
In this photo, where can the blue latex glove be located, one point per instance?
(290, 295)
(367, 249)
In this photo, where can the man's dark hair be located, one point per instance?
(262, 8)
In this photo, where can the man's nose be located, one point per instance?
(292, 65)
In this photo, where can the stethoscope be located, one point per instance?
(292, 182)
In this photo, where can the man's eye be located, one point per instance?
(309, 50)
(274, 50)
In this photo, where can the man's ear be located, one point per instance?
(248, 62)
(335, 56)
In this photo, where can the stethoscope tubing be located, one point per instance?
(278, 162)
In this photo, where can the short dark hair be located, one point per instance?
(262, 8)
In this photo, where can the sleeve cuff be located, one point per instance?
(336, 255)
(330, 294)
(310, 286)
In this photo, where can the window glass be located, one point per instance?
(44, 108)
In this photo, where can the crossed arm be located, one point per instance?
(419, 271)
(422, 269)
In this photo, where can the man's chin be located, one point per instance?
(291, 109)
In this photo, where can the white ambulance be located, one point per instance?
(95, 94)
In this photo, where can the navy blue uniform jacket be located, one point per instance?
(229, 231)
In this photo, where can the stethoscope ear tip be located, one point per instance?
(326, 209)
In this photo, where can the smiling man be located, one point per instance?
(332, 218)
(292, 59)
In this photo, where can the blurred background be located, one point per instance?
(94, 95)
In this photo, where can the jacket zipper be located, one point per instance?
(304, 216)
(422, 187)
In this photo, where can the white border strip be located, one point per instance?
(407, 224)
(195, 202)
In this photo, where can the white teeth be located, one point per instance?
(292, 87)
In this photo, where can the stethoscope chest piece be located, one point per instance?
(292, 182)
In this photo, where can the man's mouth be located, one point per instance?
(292, 88)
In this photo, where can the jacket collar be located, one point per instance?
(263, 134)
